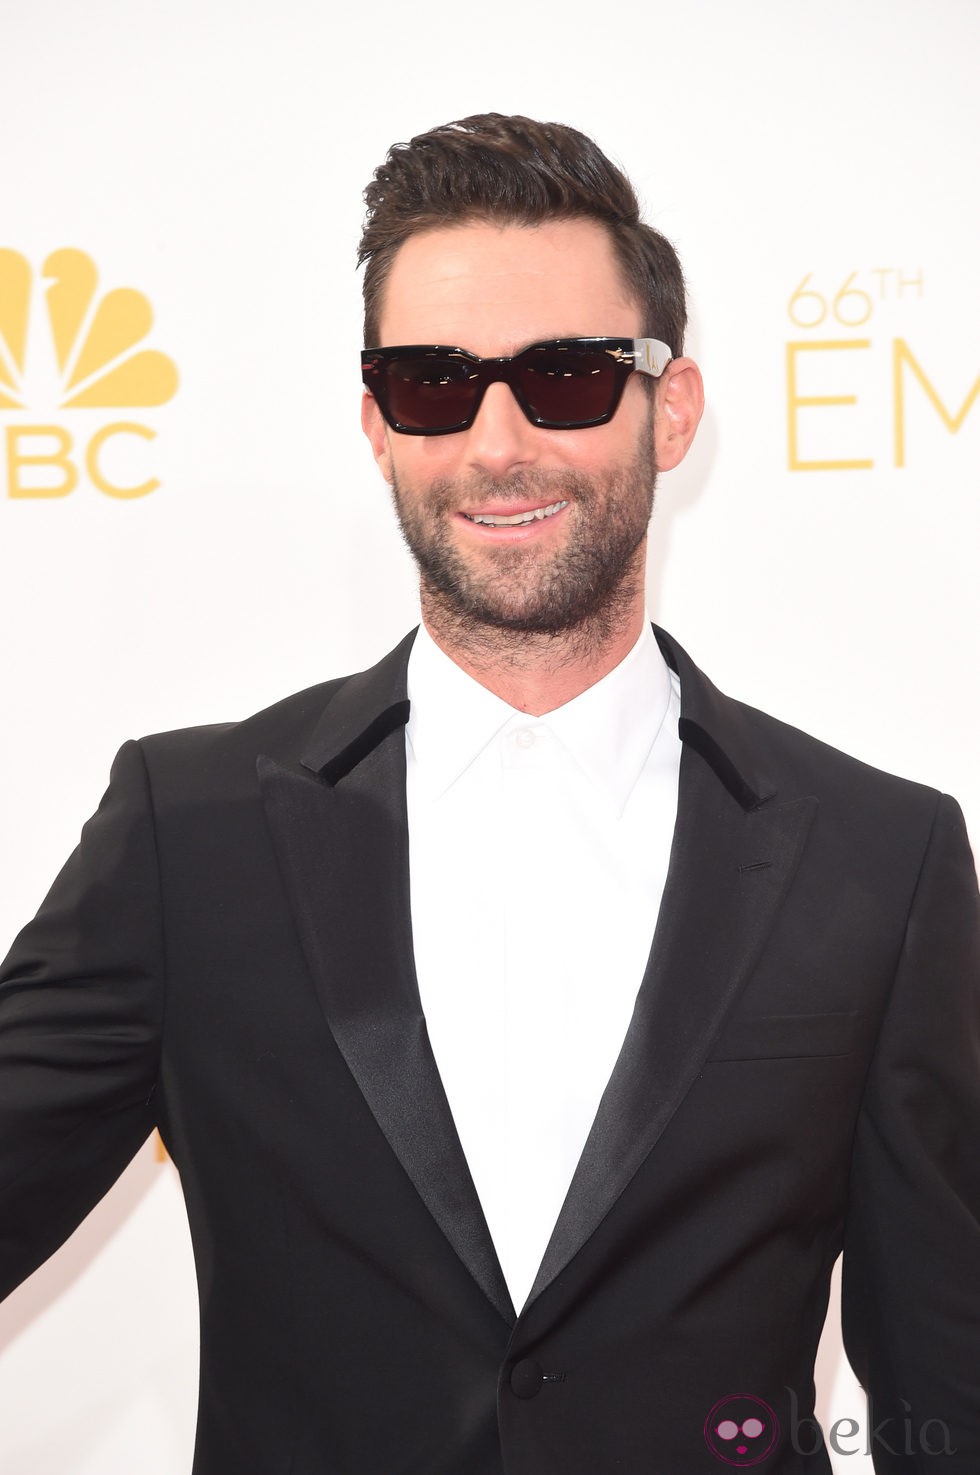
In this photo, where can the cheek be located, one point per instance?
(385, 463)
(419, 460)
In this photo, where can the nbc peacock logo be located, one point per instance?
(75, 349)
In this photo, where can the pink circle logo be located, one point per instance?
(741, 1430)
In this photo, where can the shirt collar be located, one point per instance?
(451, 719)
(608, 729)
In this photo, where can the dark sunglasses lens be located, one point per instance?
(568, 386)
(429, 393)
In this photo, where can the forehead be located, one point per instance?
(495, 288)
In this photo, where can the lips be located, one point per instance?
(515, 519)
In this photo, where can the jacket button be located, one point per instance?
(526, 1378)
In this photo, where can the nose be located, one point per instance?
(501, 437)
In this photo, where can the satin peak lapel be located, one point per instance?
(341, 835)
(734, 854)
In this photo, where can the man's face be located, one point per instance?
(494, 290)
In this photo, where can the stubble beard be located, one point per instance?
(519, 596)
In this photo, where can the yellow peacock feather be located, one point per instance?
(15, 299)
(96, 350)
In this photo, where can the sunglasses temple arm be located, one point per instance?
(651, 356)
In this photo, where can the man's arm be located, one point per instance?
(911, 1286)
(81, 1004)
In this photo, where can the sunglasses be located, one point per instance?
(565, 384)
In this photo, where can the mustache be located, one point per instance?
(550, 486)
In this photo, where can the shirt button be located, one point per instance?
(526, 1378)
(525, 738)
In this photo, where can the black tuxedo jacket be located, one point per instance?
(228, 956)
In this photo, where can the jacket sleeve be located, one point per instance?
(81, 1003)
(911, 1282)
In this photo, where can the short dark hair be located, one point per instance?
(513, 170)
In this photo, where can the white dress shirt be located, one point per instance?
(538, 855)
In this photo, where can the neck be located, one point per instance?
(536, 671)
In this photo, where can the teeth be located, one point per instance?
(506, 522)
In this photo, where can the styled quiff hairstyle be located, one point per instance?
(515, 171)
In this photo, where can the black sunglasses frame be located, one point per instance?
(625, 355)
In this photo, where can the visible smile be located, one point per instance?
(495, 520)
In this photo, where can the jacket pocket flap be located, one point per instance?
(771, 1036)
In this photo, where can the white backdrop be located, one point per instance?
(211, 156)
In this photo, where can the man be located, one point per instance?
(479, 1180)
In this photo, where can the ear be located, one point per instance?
(680, 403)
(374, 427)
